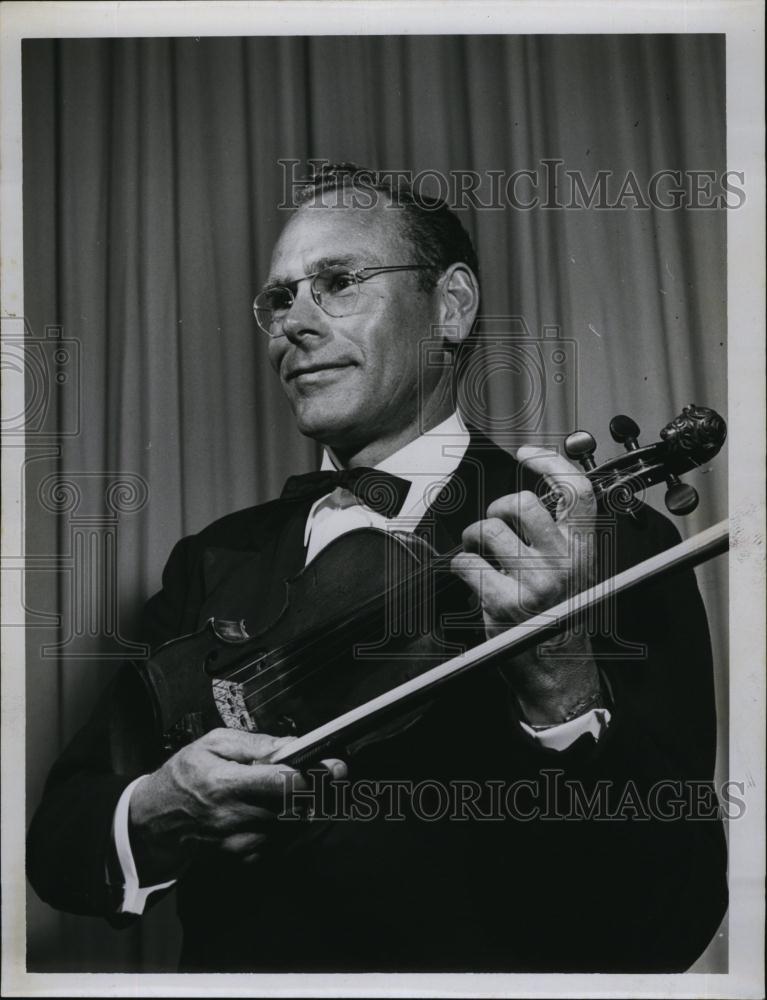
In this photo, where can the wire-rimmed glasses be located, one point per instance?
(335, 289)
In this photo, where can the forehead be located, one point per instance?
(317, 234)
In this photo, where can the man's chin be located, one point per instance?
(328, 429)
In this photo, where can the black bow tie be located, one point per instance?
(380, 491)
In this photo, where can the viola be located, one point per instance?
(355, 654)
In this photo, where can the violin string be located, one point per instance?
(281, 655)
(368, 607)
(600, 488)
(285, 673)
(296, 646)
(282, 671)
(285, 690)
(300, 666)
(423, 571)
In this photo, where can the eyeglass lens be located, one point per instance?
(334, 289)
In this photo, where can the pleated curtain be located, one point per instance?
(152, 186)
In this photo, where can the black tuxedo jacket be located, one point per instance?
(617, 888)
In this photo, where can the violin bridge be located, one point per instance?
(230, 703)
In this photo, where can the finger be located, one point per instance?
(269, 783)
(247, 816)
(242, 843)
(337, 768)
(250, 859)
(530, 520)
(503, 597)
(242, 747)
(575, 487)
(492, 536)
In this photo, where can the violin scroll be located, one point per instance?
(690, 440)
(697, 431)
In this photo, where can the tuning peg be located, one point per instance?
(624, 431)
(580, 445)
(680, 497)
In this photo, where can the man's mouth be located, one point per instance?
(316, 371)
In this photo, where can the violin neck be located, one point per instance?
(600, 483)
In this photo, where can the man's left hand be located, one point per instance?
(520, 561)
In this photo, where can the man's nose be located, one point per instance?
(305, 317)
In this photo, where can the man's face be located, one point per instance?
(351, 380)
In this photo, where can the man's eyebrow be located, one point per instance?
(343, 260)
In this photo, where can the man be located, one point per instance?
(360, 276)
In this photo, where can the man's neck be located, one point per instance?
(374, 452)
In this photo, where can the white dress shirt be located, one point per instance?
(427, 463)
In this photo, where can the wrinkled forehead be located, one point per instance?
(319, 233)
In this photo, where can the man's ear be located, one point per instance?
(459, 302)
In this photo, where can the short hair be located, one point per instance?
(434, 231)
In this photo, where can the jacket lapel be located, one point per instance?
(485, 473)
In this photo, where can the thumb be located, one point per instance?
(244, 748)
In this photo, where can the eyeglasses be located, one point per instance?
(335, 289)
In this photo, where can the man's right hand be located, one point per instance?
(215, 791)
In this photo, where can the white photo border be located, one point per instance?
(742, 21)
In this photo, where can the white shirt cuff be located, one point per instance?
(134, 896)
(564, 735)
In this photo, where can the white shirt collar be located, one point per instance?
(427, 463)
(436, 448)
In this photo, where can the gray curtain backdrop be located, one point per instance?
(151, 194)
